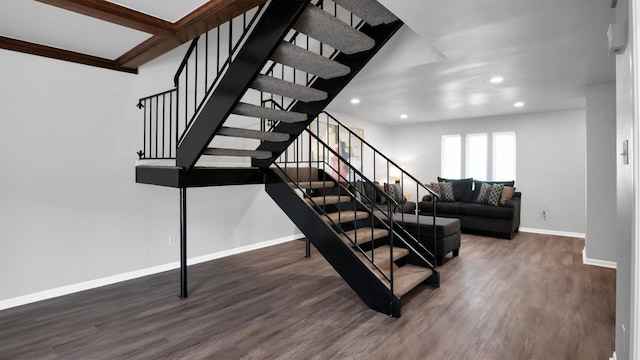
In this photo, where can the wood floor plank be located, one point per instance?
(526, 298)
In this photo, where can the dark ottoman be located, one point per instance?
(447, 233)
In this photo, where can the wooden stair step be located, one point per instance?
(327, 200)
(345, 216)
(408, 277)
(381, 255)
(314, 184)
(362, 235)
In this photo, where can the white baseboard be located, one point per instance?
(553, 232)
(92, 284)
(596, 262)
(613, 357)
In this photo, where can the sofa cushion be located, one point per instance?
(488, 211)
(462, 188)
(477, 185)
(450, 207)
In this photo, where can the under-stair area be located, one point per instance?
(244, 94)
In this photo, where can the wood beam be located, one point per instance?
(206, 17)
(60, 54)
(166, 35)
(116, 14)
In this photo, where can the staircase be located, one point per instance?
(276, 69)
(362, 243)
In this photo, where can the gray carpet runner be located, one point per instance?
(332, 31)
(256, 154)
(268, 113)
(253, 134)
(309, 62)
(370, 11)
(327, 29)
(287, 89)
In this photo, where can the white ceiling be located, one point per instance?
(547, 51)
(169, 10)
(436, 68)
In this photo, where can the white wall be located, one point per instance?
(70, 210)
(627, 331)
(550, 161)
(600, 241)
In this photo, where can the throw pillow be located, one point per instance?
(446, 191)
(495, 194)
(379, 198)
(485, 189)
(395, 192)
(477, 185)
(507, 194)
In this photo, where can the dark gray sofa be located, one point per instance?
(502, 220)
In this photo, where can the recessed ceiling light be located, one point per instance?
(518, 104)
(355, 101)
(404, 116)
(496, 79)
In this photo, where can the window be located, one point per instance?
(450, 156)
(486, 157)
(504, 156)
(476, 156)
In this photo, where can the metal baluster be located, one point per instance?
(164, 104)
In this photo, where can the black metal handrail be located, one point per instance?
(169, 114)
(296, 151)
(362, 177)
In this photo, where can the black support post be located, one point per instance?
(307, 253)
(183, 243)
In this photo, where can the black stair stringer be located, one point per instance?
(381, 34)
(368, 287)
(266, 36)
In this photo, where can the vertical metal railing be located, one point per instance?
(377, 166)
(309, 154)
(168, 115)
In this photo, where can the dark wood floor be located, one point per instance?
(528, 298)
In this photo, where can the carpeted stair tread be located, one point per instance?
(381, 255)
(345, 216)
(253, 134)
(268, 113)
(408, 277)
(314, 184)
(327, 200)
(370, 11)
(362, 235)
(330, 30)
(256, 154)
(287, 89)
(309, 62)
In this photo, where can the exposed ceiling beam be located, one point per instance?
(60, 54)
(206, 17)
(116, 14)
(166, 36)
